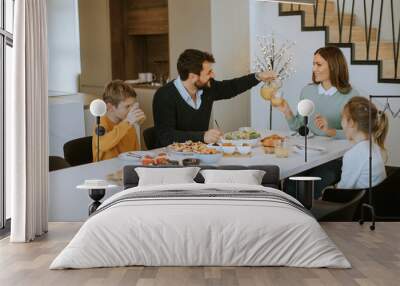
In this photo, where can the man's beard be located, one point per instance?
(200, 85)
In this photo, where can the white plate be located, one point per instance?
(311, 149)
(247, 129)
(90, 187)
(239, 142)
(208, 158)
(309, 136)
(129, 156)
(173, 152)
(212, 146)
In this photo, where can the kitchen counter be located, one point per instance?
(84, 98)
(146, 86)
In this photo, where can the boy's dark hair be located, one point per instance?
(117, 91)
(191, 61)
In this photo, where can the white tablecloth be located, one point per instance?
(66, 203)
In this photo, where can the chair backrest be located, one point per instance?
(79, 151)
(57, 163)
(344, 204)
(386, 195)
(150, 138)
(347, 210)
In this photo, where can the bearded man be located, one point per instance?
(182, 108)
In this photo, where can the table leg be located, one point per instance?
(305, 193)
(96, 195)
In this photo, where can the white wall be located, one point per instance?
(189, 27)
(66, 123)
(264, 20)
(63, 45)
(222, 28)
(231, 49)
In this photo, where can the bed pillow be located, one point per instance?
(166, 176)
(248, 177)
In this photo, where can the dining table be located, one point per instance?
(67, 203)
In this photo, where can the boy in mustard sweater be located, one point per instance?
(122, 113)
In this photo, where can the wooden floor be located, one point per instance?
(375, 257)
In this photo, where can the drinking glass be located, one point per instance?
(277, 98)
(269, 88)
(282, 148)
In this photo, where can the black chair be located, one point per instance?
(385, 197)
(79, 151)
(57, 163)
(337, 205)
(385, 200)
(150, 138)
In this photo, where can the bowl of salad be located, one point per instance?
(244, 135)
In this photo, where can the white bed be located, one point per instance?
(184, 230)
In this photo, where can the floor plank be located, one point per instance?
(374, 255)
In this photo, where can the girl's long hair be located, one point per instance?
(357, 109)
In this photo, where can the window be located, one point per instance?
(6, 44)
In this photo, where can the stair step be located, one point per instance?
(388, 69)
(357, 35)
(385, 51)
(330, 7)
(331, 16)
(330, 20)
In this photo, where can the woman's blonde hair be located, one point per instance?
(357, 109)
(338, 70)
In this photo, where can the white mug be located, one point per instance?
(135, 106)
(149, 77)
(143, 76)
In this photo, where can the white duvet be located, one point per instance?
(200, 231)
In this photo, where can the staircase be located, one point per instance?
(343, 29)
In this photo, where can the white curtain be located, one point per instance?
(26, 121)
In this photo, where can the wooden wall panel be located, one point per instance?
(140, 4)
(157, 55)
(118, 39)
(148, 21)
(139, 37)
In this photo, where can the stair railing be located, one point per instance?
(368, 12)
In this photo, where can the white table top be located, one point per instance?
(69, 204)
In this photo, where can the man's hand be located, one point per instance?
(266, 75)
(212, 136)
